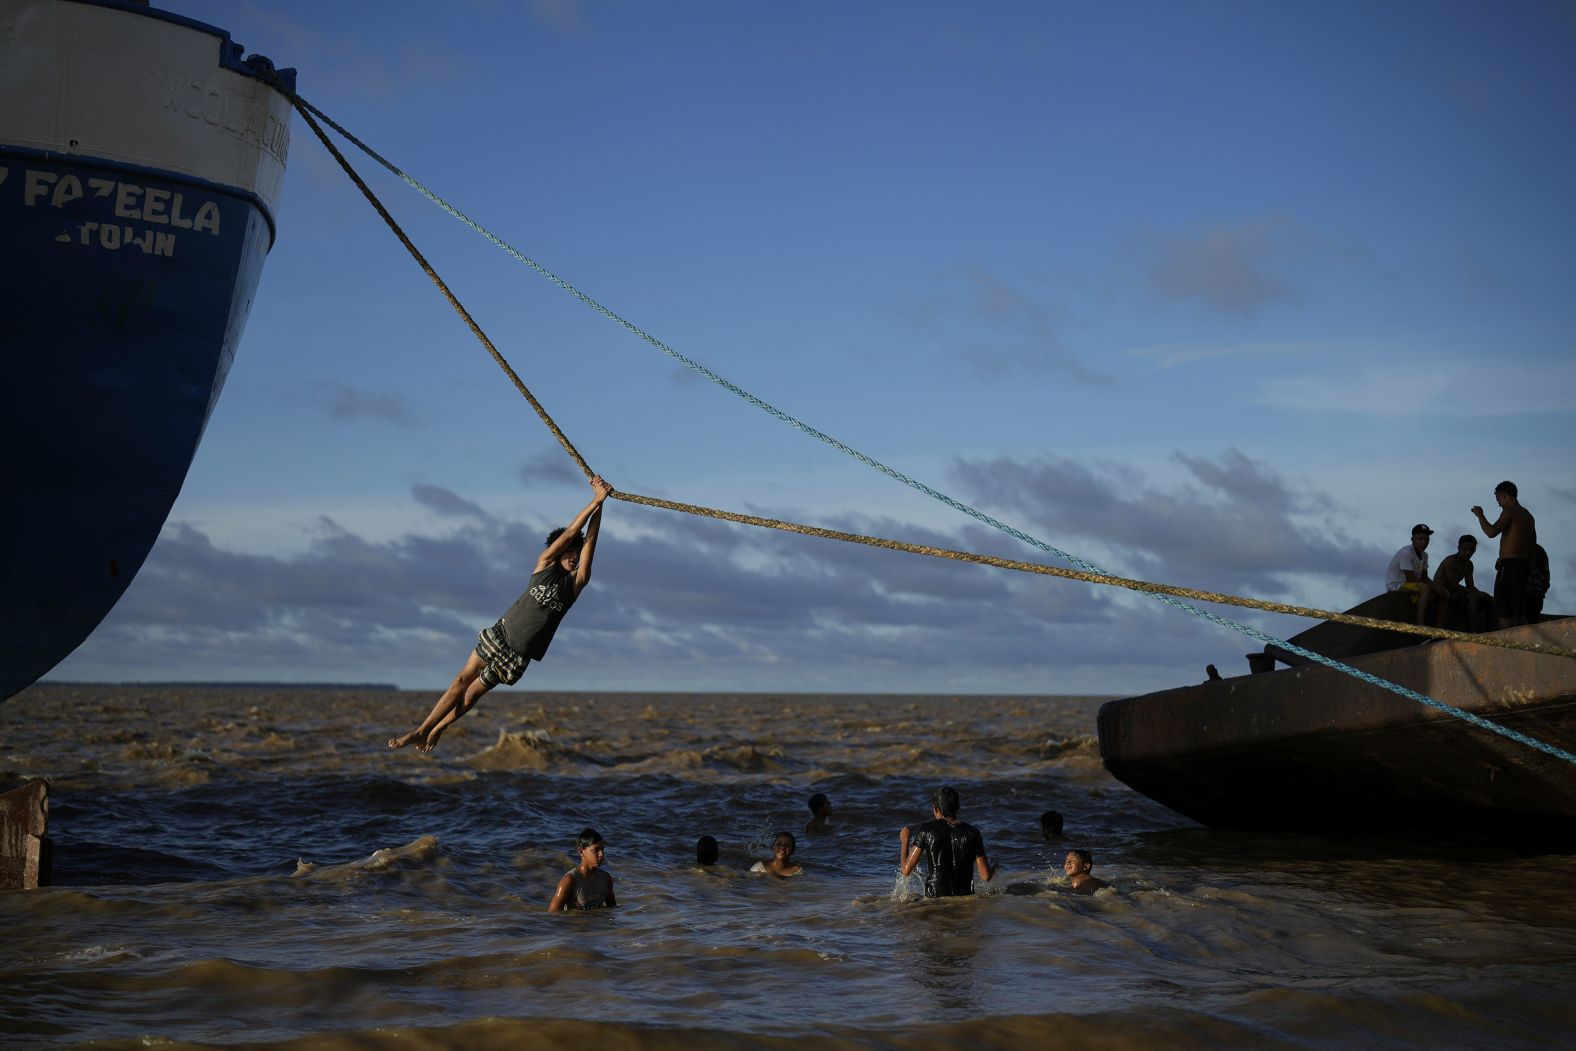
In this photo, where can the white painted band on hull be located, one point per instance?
(99, 82)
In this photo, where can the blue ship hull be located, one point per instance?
(124, 290)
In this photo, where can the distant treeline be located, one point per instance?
(385, 686)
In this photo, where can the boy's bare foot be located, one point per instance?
(431, 742)
(414, 737)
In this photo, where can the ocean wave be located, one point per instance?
(527, 750)
(422, 848)
(87, 863)
(161, 751)
(1077, 746)
(727, 759)
(100, 954)
(536, 751)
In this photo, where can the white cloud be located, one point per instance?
(1442, 387)
(346, 403)
(1175, 355)
(997, 329)
(1229, 524)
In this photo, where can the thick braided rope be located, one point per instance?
(1092, 571)
(1129, 583)
(454, 302)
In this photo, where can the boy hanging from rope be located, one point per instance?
(522, 634)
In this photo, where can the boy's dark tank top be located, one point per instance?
(589, 892)
(529, 624)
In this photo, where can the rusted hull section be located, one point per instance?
(1315, 749)
(24, 837)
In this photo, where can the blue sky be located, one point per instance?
(1219, 294)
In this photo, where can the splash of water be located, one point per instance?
(906, 888)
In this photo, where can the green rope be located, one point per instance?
(799, 425)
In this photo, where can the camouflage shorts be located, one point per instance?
(503, 666)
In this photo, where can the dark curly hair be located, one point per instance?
(555, 534)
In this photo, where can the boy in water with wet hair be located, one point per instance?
(1077, 866)
(820, 813)
(781, 864)
(706, 851)
(588, 885)
(953, 850)
(522, 634)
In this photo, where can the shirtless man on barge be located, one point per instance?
(1455, 576)
(1518, 535)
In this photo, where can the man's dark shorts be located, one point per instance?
(503, 666)
(1459, 597)
(1510, 587)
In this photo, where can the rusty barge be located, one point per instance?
(1313, 749)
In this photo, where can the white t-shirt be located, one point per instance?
(1406, 560)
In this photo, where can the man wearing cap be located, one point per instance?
(1408, 571)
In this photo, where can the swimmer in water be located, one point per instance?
(706, 851)
(781, 863)
(820, 813)
(952, 849)
(1077, 867)
(588, 885)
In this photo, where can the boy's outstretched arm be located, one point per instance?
(1490, 529)
(572, 530)
(588, 549)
